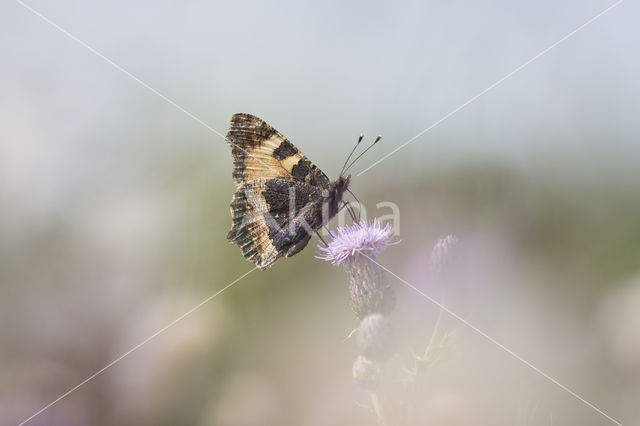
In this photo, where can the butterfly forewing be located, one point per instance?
(260, 151)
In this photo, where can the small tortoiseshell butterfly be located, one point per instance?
(281, 197)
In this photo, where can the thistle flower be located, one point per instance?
(349, 242)
(356, 248)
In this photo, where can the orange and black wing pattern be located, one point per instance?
(270, 172)
(261, 152)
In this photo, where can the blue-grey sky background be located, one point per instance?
(323, 72)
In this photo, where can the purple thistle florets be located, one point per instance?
(360, 238)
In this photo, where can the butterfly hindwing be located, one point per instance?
(274, 217)
(259, 151)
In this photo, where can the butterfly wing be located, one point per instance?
(261, 152)
(278, 201)
(274, 218)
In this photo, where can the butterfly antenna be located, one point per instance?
(362, 153)
(351, 153)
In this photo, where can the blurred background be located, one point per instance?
(115, 209)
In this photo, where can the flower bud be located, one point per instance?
(369, 288)
(376, 338)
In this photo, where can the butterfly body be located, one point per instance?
(281, 197)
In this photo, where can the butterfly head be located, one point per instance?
(342, 184)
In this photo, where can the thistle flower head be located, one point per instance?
(348, 242)
(356, 248)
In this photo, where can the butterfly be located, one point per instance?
(281, 197)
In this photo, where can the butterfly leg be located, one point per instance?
(349, 208)
(359, 203)
(322, 239)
